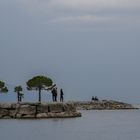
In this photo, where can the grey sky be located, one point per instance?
(87, 47)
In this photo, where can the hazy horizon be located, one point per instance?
(88, 48)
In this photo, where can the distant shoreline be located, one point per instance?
(137, 106)
(104, 105)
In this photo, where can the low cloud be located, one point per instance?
(86, 19)
(91, 22)
(83, 4)
(84, 12)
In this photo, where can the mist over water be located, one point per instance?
(93, 125)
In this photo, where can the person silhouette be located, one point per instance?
(61, 95)
(55, 94)
(92, 98)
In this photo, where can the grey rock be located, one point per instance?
(5, 105)
(3, 112)
(6, 117)
(70, 107)
(42, 108)
(103, 105)
(28, 116)
(55, 107)
(37, 110)
(42, 115)
(18, 116)
(12, 113)
(27, 110)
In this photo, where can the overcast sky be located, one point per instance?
(88, 47)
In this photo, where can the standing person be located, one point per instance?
(61, 95)
(52, 89)
(55, 94)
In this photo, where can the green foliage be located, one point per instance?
(39, 83)
(18, 89)
(3, 88)
(2, 84)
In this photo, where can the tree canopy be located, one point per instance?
(18, 90)
(39, 83)
(3, 88)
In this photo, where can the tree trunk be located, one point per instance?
(18, 97)
(39, 98)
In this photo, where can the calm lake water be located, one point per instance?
(93, 125)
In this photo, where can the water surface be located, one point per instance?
(94, 125)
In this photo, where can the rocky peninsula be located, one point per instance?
(56, 109)
(103, 105)
(37, 110)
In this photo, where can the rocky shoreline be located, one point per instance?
(103, 105)
(57, 110)
(37, 110)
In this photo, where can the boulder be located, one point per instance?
(64, 115)
(55, 108)
(37, 110)
(27, 110)
(42, 108)
(18, 116)
(5, 105)
(69, 107)
(42, 115)
(6, 117)
(3, 112)
(12, 113)
(28, 116)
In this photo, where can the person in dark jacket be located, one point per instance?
(55, 94)
(61, 95)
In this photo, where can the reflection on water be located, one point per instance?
(94, 125)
